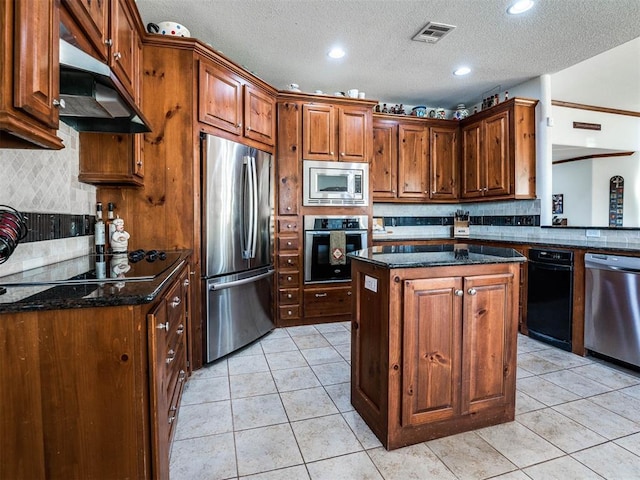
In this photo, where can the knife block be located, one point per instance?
(460, 228)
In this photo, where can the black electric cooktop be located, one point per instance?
(90, 269)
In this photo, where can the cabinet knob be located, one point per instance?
(186, 282)
(289, 312)
(59, 103)
(289, 296)
(289, 262)
(108, 42)
(342, 153)
(171, 354)
(472, 291)
(320, 295)
(289, 278)
(139, 163)
(180, 329)
(289, 244)
(239, 125)
(331, 153)
(175, 302)
(248, 129)
(289, 225)
(163, 326)
(182, 375)
(117, 55)
(288, 209)
(458, 293)
(348, 294)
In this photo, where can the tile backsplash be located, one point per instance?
(46, 181)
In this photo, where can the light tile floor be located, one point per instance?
(279, 409)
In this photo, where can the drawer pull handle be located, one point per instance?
(171, 355)
(289, 244)
(186, 282)
(175, 302)
(349, 293)
(172, 419)
(163, 326)
(288, 209)
(180, 329)
(289, 262)
(472, 291)
(289, 278)
(458, 293)
(182, 375)
(289, 225)
(289, 312)
(320, 295)
(289, 295)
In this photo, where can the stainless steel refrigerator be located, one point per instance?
(237, 244)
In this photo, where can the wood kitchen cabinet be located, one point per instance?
(414, 160)
(433, 349)
(231, 104)
(289, 267)
(111, 159)
(498, 152)
(336, 132)
(29, 53)
(324, 303)
(93, 392)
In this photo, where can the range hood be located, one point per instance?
(92, 102)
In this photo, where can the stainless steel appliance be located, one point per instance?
(317, 233)
(550, 296)
(335, 183)
(237, 239)
(612, 306)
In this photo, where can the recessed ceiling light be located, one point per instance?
(462, 71)
(519, 7)
(336, 52)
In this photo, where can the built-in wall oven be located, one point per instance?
(320, 262)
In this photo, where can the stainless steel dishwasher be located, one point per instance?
(612, 306)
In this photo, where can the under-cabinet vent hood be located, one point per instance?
(91, 100)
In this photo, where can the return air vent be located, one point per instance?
(432, 32)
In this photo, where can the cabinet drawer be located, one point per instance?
(174, 402)
(290, 296)
(288, 262)
(327, 301)
(289, 312)
(288, 279)
(288, 243)
(288, 224)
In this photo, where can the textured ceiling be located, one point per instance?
(286, 41)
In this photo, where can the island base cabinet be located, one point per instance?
(433, 349)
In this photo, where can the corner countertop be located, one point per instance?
(587, 243)
(78, 293)
(418, 256)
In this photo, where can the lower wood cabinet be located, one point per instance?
(93, 392)
(327, 302)
(433, 349)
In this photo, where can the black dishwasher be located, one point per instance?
(550, 296)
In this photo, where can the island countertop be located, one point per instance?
(420, 256)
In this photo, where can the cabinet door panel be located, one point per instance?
(431, 356)
(126, 48)
(444, 163)
(93, 17)
(413, 162)
(288, 164)
(319, 127)
(36, 76)
(353, 123)
(487, 312)
(496, 134)
(472, 183)
(385, 160)
(259, 116)
(219, 99)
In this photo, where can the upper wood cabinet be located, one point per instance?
(112, 28)
(498, 152)
(93, 18)
(111, 159)
(336, 132)
(228, 103)
(288, 172)
(414, 160)
(29, 55)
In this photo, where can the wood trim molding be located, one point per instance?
(594, 108)
(598, 155)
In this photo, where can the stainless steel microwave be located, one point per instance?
(335, 183)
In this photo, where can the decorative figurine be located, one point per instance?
(384, 108)
(120, 238)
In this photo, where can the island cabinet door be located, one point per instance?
(431, 350)
(488, 309)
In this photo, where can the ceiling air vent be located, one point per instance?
(432, 32)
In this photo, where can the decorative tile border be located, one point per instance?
(53, 226)
(490, 220)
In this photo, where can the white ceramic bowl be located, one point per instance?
(174, 29)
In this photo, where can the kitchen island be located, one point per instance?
(434, 339)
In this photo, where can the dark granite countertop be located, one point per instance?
(73, 284)
(594, 244)
(417, 256)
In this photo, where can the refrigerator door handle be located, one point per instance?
(248, 192)
(254, 190)
(235, 283)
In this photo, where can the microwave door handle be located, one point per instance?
(247, 224)
(254, 190)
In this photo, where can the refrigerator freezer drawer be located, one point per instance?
(238, 311)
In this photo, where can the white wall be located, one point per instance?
(573, 181)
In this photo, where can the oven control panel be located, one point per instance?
(356, 222)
